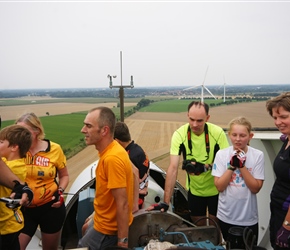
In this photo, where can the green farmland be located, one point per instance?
(173, 106)
(65, 129)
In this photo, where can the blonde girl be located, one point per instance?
(238, 175)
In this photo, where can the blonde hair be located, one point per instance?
(240, 121)
(33, 122)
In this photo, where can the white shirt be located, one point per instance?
(237, 204)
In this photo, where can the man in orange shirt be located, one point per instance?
(114, 183)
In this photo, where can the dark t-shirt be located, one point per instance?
(139, 158)
(280, 195)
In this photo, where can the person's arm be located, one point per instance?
(253, 184)
(63, 182)
(239, 161)
(283, 234)
(121, 200)
(171, 176)
(88, 222)
(136, 188)
(19, 188)
(170, 181)
(7, 177)
(222, 182)
(222, 171)
(63, 178)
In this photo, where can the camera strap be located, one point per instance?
(206, 137)
(207, 148)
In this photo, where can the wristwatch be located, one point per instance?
(286, 223)
(123, 240)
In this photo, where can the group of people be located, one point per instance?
(222, 180)
(38, 169)
(35, 168)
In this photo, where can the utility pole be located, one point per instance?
(121, 88)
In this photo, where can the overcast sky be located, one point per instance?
(73, 44)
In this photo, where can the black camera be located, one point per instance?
(190, 168)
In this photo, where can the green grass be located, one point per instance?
(18, 101)
(64, 130)
(173, 106)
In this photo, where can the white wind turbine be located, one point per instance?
(224, 89)
(203, 87)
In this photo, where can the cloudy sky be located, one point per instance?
(73, 44)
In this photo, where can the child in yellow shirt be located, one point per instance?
(15, 141)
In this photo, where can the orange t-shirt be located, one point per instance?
(114, 170)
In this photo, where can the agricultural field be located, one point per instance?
(62, 125)
(152, 130)
(173, 106)
(46, 99)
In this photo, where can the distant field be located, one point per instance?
(35, 100)
(65, 129)
(12, 112)
(42, 100)
(177, 105)
(65, 121)
(152, 130)
(170, 106)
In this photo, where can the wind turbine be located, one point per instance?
(224, 89)
(203, 87)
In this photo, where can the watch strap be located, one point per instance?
(123, 240)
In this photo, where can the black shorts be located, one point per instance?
(49, 219)
(199, 205)
(225, 227)
(10, 241)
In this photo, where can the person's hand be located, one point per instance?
(230, 167)
(282, 238)
(238, 159)
(162, 206)
(58, 198)
(23, 192)
(242, 156)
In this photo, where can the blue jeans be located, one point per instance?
(95, 240)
